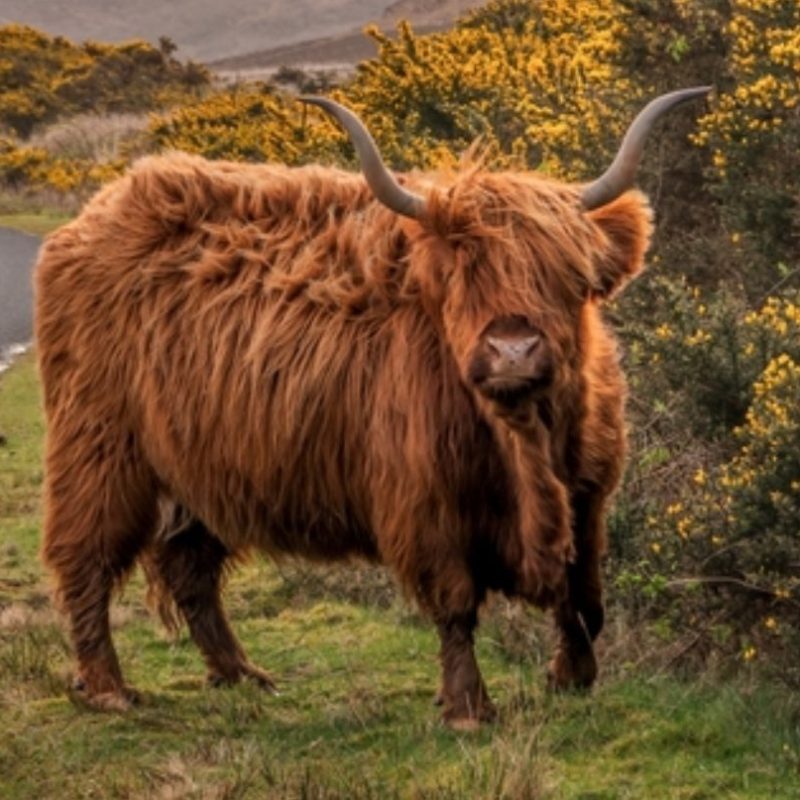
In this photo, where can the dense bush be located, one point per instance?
(753, 132)
(707, 524)
(86, 91)
(29, 169)
(44, 78)
(249, 123)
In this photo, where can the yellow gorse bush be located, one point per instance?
(764, 40)
(762, 480)
(739, 516)
(539, 90)
(243, 124)
(542, 90)
(34, 168)
(43, 78)
(778, 317)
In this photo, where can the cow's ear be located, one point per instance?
(626, 224)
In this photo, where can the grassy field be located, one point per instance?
(357, 671)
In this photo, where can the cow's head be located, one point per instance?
(513, 258)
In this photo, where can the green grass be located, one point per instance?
(37, 223)
(357, 672)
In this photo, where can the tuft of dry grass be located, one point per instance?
(95, 137)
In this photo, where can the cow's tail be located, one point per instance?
(173, 519)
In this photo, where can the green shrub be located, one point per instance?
(707, 527)
(44, 78)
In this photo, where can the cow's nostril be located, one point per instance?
(531, 344)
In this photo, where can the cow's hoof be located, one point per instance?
(464, 724)
(261, 679)
(465, 720)
(246, 672)
(571, 671)
(117, 701)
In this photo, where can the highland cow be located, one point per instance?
(312, 363)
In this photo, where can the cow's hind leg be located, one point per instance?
(100, 509)
(463, 695)
(186, 567)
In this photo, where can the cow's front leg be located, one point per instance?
(463, 695)
(574, 665)
(585, 575)
(579, 617)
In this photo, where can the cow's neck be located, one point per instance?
(532, 439)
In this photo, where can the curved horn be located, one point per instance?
(619, 176)
(380, 180)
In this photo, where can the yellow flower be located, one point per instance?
(664, 331)
(698, 337)
(749, 653)
(700, 477)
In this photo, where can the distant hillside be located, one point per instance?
(207, 30)
(340, 49)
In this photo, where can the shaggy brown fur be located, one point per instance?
(285, 359)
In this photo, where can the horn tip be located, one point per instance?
(313, 99)
(327, 105)
(619, 176)
(692, 92)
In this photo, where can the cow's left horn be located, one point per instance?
(380, 180)
(619, 176)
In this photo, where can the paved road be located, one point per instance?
(17, 256)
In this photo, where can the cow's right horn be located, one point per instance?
(619, 176)
(380, 180)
